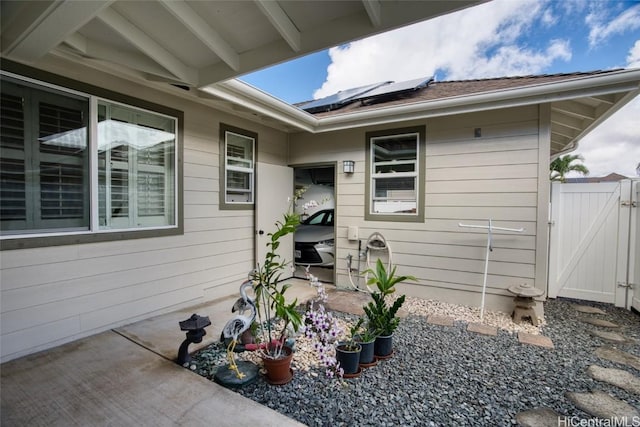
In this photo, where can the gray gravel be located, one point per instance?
(443, 376)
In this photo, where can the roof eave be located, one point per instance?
(247, 96)
(264, 104)
(617, 82)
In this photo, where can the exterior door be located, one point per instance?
(583, 252)
(594, 245)
(274, 191)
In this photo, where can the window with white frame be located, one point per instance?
(238, 167)
(73, 163)
(395, 174)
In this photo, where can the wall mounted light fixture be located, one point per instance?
(348, 166)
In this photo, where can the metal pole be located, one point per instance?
(490, 228)
(486, 269)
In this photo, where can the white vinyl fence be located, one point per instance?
(594, 242)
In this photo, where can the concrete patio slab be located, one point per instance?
(107, 379)
(346, 301)
(162, 335)
(352, 301)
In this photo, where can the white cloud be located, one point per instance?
(474, 43)
(602, 27)
(614, 146)
(483, 41)
(548, 18)
(633, 59)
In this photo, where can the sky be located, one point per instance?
(495, 39)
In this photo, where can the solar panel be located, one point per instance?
(397, 87)
(339, 99)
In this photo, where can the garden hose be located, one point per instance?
(375, 242)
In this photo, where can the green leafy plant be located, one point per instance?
(365, 332)
(560, 167)
(270, 293)
(382, 316)
(351, 344)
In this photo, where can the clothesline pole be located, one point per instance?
(489, 229)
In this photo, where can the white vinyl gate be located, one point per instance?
(594, 242)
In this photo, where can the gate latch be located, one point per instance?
(625, 285)
(633, 203)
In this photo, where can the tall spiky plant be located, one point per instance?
(381, 315)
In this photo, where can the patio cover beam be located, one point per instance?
(203, 31)
(56, 22)
(373, 10)
(148, 46)
(279, 19)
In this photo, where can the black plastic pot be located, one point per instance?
(367, 352)
(383, 346)
(349, 359)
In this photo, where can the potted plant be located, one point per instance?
(366, 336)
(348, 352)
(381, 314)
(271, 303)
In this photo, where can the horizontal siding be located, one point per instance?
(54, 295)
(472, 173)
(501, 185)
(467, 180)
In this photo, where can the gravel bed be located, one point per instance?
(442, 376)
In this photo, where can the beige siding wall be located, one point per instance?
(467, 180)
(53, 295)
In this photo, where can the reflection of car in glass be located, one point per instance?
(314, 240)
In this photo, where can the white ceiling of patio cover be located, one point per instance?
(193, 42)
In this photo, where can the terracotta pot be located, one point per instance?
(279, 370)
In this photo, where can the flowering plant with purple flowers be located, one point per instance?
(322, 329)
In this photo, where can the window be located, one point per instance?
(237, 167)
(136, 173)
(50, 140)
(395, 167)
(44, 160)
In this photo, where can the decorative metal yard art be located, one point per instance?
(238, 324)
(490, 228)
